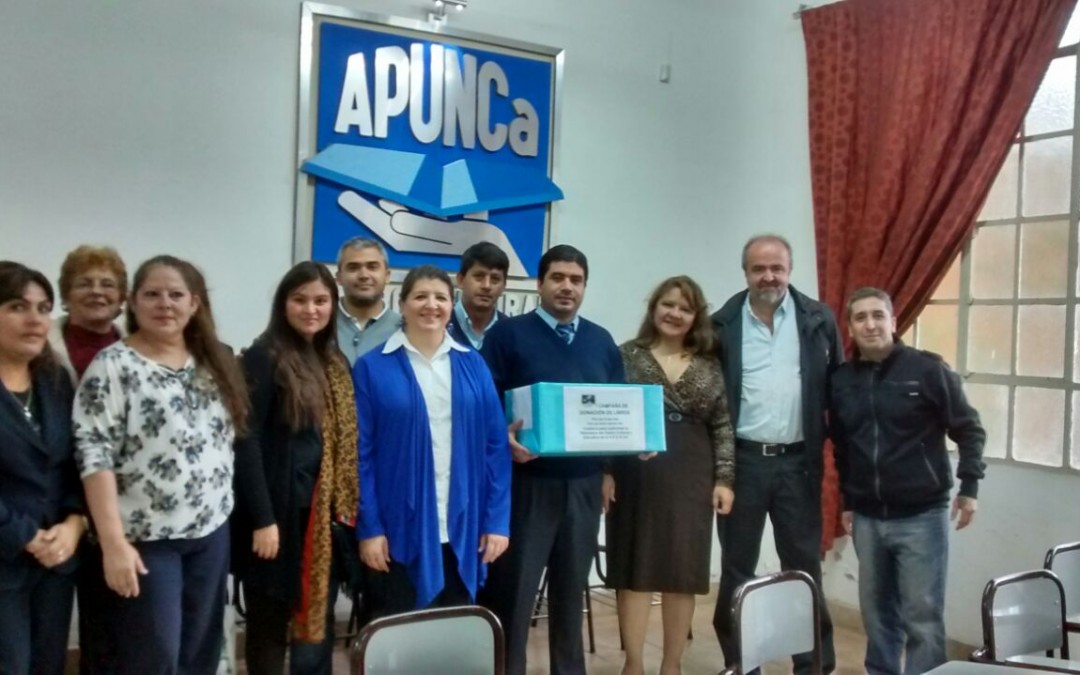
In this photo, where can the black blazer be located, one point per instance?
(39, 482)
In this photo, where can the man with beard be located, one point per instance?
(555, 502)
(778, 349)
(482, 280)
(364, 318)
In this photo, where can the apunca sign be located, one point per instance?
(428, 142)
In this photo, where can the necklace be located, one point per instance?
(668, 359)
(25, 399)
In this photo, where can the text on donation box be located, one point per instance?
(604, 418)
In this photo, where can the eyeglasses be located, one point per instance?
(88, 284)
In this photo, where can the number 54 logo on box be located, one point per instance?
(426, 141)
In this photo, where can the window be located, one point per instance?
(1005, 316)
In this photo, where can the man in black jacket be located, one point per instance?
(892, 408)
(778, 349)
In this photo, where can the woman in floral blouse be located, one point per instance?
(155, 417)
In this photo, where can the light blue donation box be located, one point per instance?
(588, 419)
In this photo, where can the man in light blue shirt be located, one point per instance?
(771, 397)
(778, 349)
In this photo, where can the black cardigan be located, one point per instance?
(274, 464)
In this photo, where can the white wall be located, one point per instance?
(161, 126)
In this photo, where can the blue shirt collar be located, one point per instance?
(552, 321)
(786, 306)
(466, 325)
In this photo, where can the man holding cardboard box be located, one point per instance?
(556, 501)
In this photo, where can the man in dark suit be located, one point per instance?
(556, 501)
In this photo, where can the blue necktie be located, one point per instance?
(565, 331)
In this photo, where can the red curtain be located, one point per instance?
(913, 107)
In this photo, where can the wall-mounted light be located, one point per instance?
(441, 7)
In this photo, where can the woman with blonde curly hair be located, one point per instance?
(93, 287)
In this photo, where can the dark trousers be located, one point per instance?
(176, 624)
(554, 523)
(97, 651)
(267, 637)
(34, 621)
(393, 593)
(783, 488)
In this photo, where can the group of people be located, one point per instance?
(348, 429)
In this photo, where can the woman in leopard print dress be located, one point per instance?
(659, 529)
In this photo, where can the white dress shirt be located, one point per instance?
(434, 378)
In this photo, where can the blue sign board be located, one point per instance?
(429, 144)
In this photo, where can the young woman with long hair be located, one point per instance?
(295, 475)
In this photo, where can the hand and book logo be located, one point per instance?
(428, 142)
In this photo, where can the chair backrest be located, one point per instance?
(1064, 561)
(776, 616)
(460, 640)
(1024, 613)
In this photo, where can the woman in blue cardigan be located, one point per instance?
(434, 462)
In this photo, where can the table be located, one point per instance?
(972, 668)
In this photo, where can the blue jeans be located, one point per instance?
(902, 565)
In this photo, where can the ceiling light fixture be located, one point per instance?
(439, 15)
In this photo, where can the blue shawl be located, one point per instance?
(396, 467)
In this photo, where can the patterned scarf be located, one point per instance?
(336, 498)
